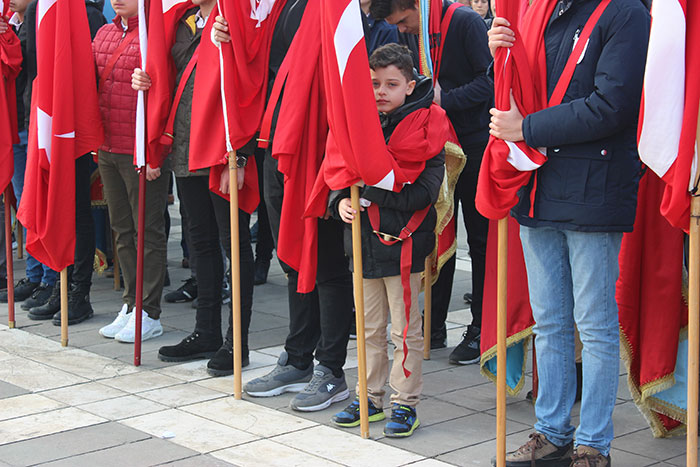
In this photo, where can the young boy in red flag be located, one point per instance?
(406, 109)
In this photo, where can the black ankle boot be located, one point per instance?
(261, 270)
(48, 309)
(221, 363)
(79, 308)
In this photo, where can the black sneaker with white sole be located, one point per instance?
(469, 350)
(185, 293)
(323, 389)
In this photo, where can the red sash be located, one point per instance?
(406, 237)
(167, 137)
(109, 66)
(568, 74)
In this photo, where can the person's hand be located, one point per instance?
(437, 97)
(223, 181)
(500, 35)
(507, 124)
(4, 27)
(140, 81)
(220, 30)
(347, 213)
(151, 173)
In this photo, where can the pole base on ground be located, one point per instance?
(11, 324)
(64, 343)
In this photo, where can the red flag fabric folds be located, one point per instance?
(10, 64)
(669, 115)
(651, 279)
(522, 70)
(244, 63)
(65, 124)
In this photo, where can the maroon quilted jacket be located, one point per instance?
(116, 97)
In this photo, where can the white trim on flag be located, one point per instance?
(44, 128)
(42, 7)
(664, 88)
(141, 97)
(347, 35)
(518, 159)
(387, 183)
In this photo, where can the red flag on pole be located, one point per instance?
(244, 63)
(65, 124)
(10, 64)
(669, 114)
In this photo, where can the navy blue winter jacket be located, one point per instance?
(589, 182)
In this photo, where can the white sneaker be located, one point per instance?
(117, 325)
(149, 328)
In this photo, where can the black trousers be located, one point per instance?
(319, 320)
(80, 273)
(209, 228)
(265, 243)
(477, 233)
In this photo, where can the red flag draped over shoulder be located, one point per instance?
(65, 124)
(162, 18)
(10, 64)
(245, 62)
(669, 114)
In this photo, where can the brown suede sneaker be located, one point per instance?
(586, 456)
(539, 452)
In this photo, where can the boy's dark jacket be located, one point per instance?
(589, 182)
(379, 260)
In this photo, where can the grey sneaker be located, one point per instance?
(322, 391)
(284, 378)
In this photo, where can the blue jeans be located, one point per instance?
(36, 272)
(571, 276)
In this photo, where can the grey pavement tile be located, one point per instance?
(267, 338)
(197, 461)
(678, 460)
(261, 321)
(628, 419)
(627, 459)
(10, 390)
(140, 453)
(451, 379)
(480, 454)
(478, 398)
(441, 438)
(69, 443)
(642, 443)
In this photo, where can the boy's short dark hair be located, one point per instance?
(393, 54)
(380, 9)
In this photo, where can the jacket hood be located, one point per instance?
(422, 98)
(99, 4)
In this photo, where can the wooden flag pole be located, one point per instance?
(693, 325)
(64, 307)
(235, 276)
(138, 307)
(501, 342)
(19, 233)
(8, 254)
(427, 306)
(359, 311)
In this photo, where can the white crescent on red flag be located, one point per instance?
(65, 124)
(669, 114)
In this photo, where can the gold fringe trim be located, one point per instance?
(524, 336)
(100, 262)
(644, 399)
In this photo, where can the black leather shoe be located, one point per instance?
(48, 309)
(40, 296)
(192, 347)
(23, 290)
(79, 308)
(261, 270)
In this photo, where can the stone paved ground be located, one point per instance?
(86, 405)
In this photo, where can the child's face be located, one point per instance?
(125, 8)
(481, 7)
(390, 88)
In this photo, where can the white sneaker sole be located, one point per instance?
(341, 396)
(130, 340)
(294, 387)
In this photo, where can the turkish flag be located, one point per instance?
(65, 124)
(669, 113)
(10, 65)
(157, 26)
(244, 65)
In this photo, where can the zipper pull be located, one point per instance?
(576, 36)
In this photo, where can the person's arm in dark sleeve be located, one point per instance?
(614, 105)
(30, 58)
(416, 196)
(473, 42)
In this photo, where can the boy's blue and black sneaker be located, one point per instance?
(350, 416)
(404, 422)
